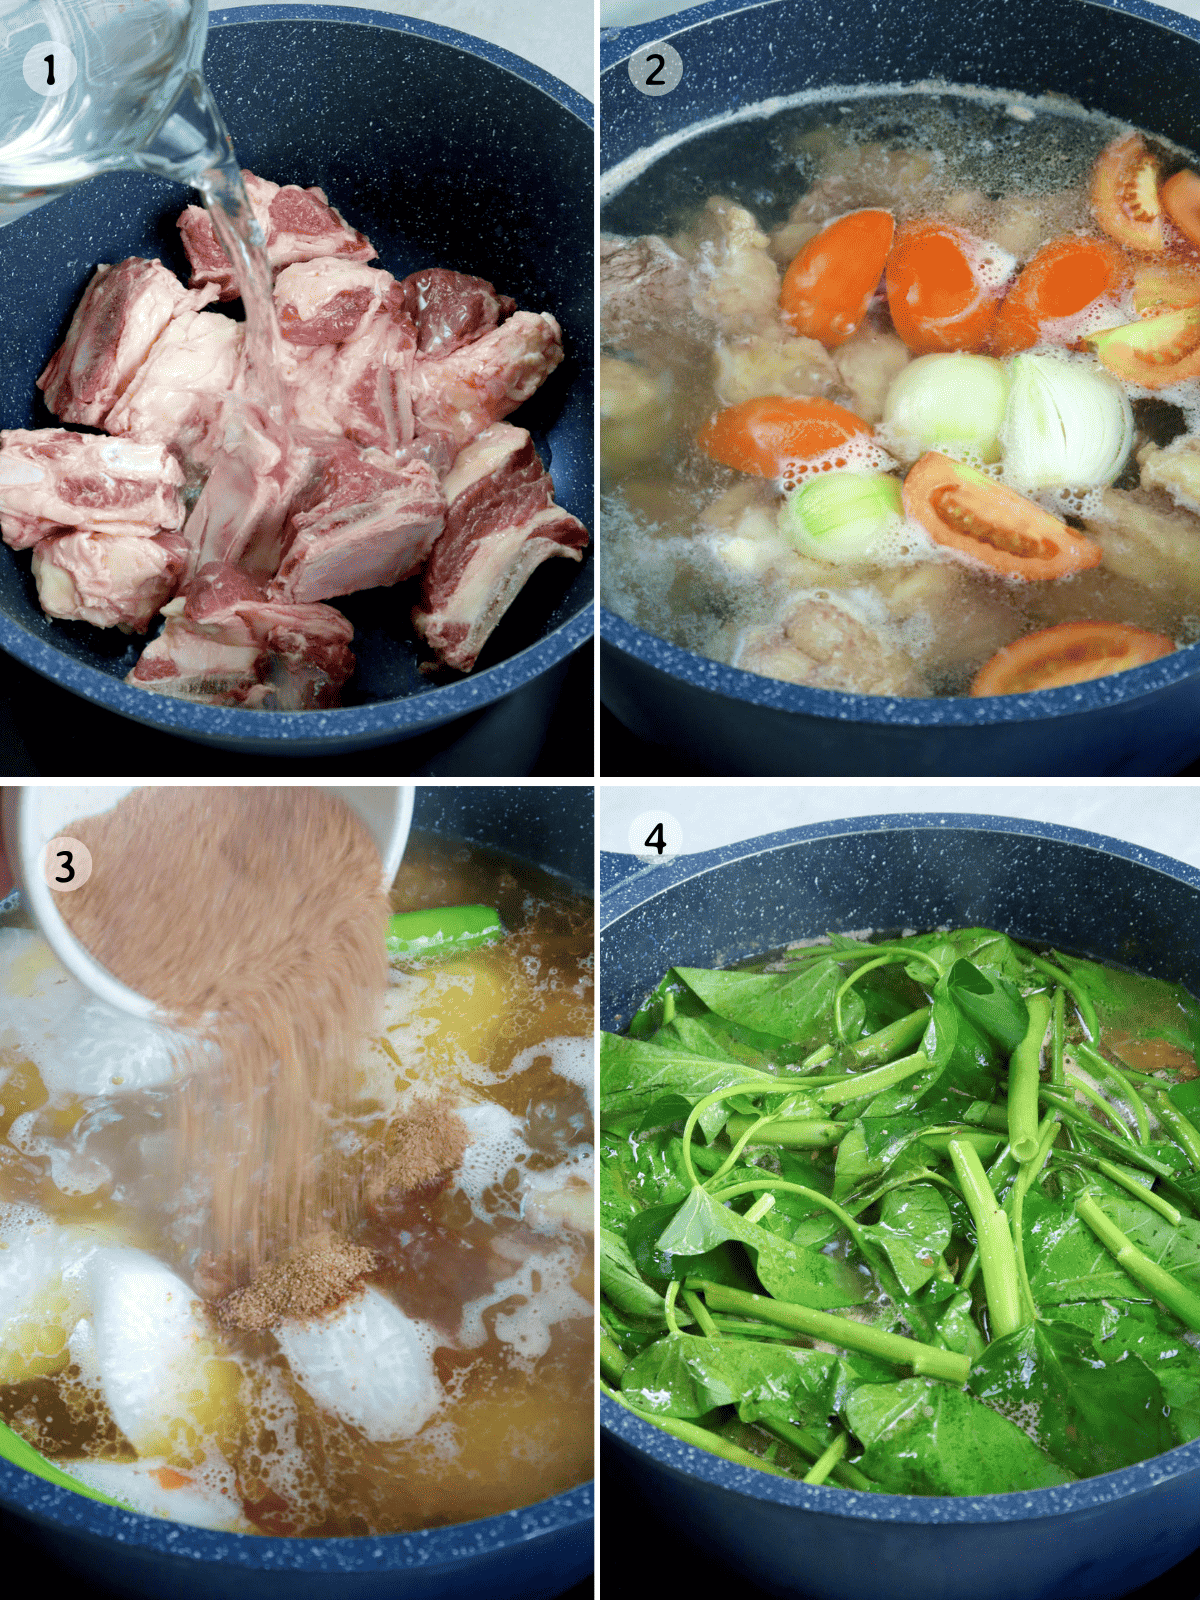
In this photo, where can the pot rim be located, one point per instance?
(1117, 688)
(1019, 1505)
(412, 714)
(461, 1544)
(618, 44)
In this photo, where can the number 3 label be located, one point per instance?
(656, 70)
(655, 835)
(67, 864)
(49, 68)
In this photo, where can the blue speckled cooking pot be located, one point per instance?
(1128, 58)
(531, 1554)
(444, 150)
(1092, 1540)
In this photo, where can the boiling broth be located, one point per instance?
(693, 549)
(495, 1263)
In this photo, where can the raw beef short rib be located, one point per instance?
(459, 395)
(450, 309)
(53, 481)
(297, 224)
(225, 644)
(107, 580)
(366, 524)
(123, 311)
(501, 524)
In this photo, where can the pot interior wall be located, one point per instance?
(1133, 68)
(889, 877)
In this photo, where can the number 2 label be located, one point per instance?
(657, 70)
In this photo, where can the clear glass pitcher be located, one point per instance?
(89, 86)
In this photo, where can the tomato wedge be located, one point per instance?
(1063, 278)
(969, 512)
(828, 287)
(943, 287)
(1125, 198)
(1071, 652)
(1165, 286)
(1156, 352)
(768, 435)
(1180, 197)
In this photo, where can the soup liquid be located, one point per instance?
(517, 1366)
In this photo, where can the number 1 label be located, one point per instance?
(49, 68)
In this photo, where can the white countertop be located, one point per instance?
(1163, 817)
(557, 35)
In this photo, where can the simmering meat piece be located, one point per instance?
(365, 523)
(1175, 469)
(771, 364)
(1148, 539)
(867, 363)
(501, 524)
(451, 309)
(460, 394)
(107, 580)
(297, 224)
(53, 481)
(177, 396)
(329, 301)
(645, 289)
(123, 311)
(735, 282)
(823, 645)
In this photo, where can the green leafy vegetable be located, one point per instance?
(952, 1163)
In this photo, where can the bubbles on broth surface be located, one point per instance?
(502, 1306)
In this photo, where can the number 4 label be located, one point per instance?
(655, 835)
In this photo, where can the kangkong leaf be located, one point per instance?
(991, 1002)
(685, 1376)
(633, 1074)
(720, 1263)
(914, 1229)
(796, 1006)
(722, 1040)
(804, 1277)
(956, 1327)
(923, 1437)
(1066, 1261)
(621, 1282)
(1091, 1415)
(986, 949)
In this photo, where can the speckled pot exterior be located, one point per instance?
(1093, 1540)
(446, 151)
(530, 1554)
(1131, 59)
